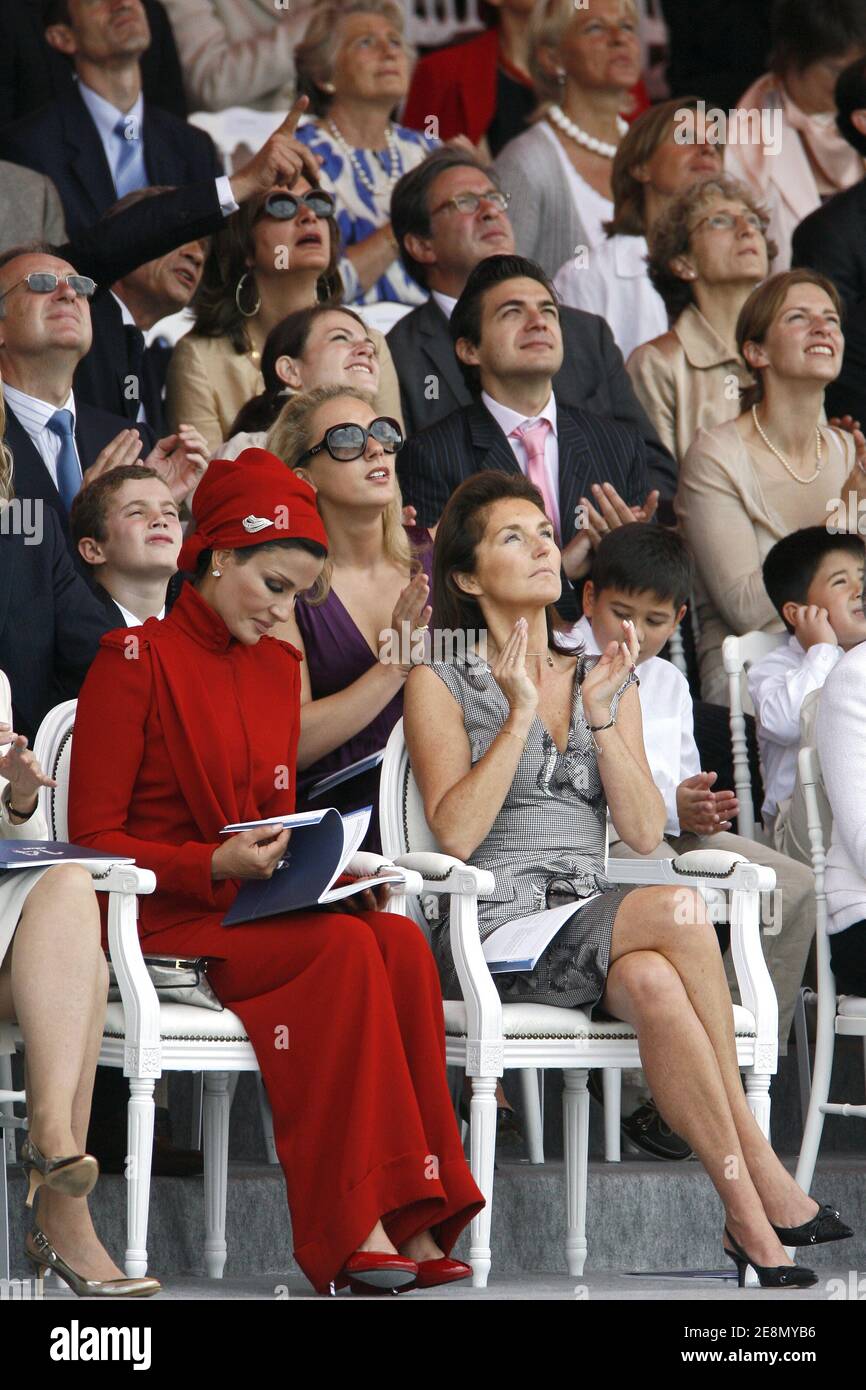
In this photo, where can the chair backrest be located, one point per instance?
(738, 653)
(402, 823)
(433, 23)
(809, 770)
(53, 750)
(384, 315)
(238, 131)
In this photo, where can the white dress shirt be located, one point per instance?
(130, 619)
(841, 739)
(445, 302)
(668, 724)
(778, 685)
(508, 420)
(615, 284)
(105, 118)
(34, 415)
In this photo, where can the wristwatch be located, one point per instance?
(19, 815)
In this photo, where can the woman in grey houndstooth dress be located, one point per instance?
(532, 745)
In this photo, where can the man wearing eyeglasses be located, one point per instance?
(448, 215)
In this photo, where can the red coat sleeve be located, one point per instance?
(107, 752)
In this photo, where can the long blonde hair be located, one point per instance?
(290, 437)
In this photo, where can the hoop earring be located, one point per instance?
(247, 313)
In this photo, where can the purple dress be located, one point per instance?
(337, 655)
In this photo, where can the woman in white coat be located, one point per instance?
(54, 982)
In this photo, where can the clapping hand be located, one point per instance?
(611, 671)
(411, 612)
(702, 811)
(120, 451)
(509, 671)
(21, 770)
(608, 512)
(180, 460)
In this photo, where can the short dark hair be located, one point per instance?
(792, 563)
(644, 558)
(55, 12)
(851, 96)
(466, 318)
(410, 210)
(803, 32)
(88, 515)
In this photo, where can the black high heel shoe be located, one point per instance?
(769, 1276)
(824, 1227)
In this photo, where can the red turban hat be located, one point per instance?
(245, 501)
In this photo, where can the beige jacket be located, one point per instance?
(687, 380)
(730, 527)
(208, 382)
(238, 52)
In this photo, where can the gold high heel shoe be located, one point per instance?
(45, 1258)
(74, 1177)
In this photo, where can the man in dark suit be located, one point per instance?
(121, 373)
(440, 243)
(590, 470)
(50, 621)
(32, 73)
(833, 240)
(101, 140)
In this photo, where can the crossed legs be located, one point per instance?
(54, 981)
(668, 981)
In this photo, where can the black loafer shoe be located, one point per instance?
(648, 1132)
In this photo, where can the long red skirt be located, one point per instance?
(345, 1016)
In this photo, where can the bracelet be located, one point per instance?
(512, 734)
(19, 815)
(597, 728)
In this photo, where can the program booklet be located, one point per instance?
(518, 946)
(345, 774)
(321, 845)
(38, 854)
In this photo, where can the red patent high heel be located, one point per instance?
(376, 1271)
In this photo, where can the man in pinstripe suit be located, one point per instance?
(507, 336)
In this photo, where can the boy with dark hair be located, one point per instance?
(125, 526)
(815, 581)
(643, 573)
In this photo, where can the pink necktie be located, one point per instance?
(533, 439)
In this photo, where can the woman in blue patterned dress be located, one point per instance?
(354, 66)
(532, 746)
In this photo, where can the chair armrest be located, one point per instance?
(367, 865)
(125, 878)
(716, 868)
(443, 874)
(142, 1052)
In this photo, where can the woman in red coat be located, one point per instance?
(189, 724)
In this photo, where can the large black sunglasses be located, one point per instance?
(285, 206)
(347, 442)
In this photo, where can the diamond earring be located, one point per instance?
(216, 573)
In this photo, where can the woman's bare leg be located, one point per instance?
(652, 919)
(54, 982)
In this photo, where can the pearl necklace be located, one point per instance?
(557, 117)
(395, 163)
(781, 457)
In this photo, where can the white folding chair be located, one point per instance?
(483, 1036)
(9, 1122)
(738, 653)
(146, 1038)
(838, 1015)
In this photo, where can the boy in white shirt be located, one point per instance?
(643, 573)
(815, 580)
